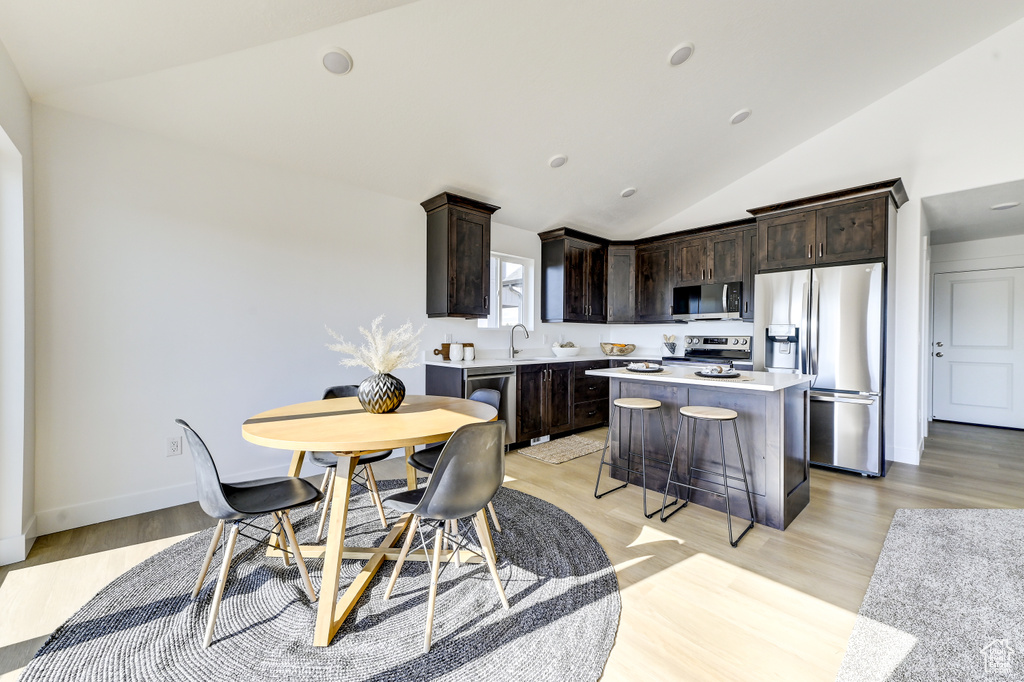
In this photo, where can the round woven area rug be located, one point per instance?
(561, 588)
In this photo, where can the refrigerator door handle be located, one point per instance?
(833, 398)
(812, 340)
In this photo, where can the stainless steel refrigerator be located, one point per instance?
(830, 322)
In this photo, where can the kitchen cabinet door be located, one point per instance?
(725, 258)
(852, 231)
(786, 241)
(596, 281)
(621, 304)
(458, 256)
(691, 262)
(654, 282)
(749, 270)
(577, 281)
(530, 389)
(559, 406)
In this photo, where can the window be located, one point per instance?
(511, 300)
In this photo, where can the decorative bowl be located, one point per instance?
(565, 352)
(617, 348)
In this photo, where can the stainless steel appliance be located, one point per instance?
(707, 302)
(502, 379)
(829, 322)
(732, 351)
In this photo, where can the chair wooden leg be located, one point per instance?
(375, 495)
(487, 545)
(327, 505)
(225, 565)
(435, 570)
(324, 480)
(401, 555)
(453, 529)
(209, 557)
(494, 516)
(290, 533)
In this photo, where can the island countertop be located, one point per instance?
(750, 381)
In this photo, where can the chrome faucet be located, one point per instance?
(512, 340)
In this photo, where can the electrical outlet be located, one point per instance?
(173, 446)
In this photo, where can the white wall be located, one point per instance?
(16, 357)
(173, 282)
(956, 127)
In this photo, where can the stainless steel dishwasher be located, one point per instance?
(501, 378)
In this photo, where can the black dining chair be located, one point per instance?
(363, 476)
(426, 459)
(241, 503)
(467, 474)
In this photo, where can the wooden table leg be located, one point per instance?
(410, 472)
(274, 541)
(334, 550)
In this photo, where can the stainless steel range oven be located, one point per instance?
(731, 351)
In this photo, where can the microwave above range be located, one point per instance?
(707, 302)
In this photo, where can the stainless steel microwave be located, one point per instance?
(707, 302)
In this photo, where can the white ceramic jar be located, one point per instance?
(455, 352)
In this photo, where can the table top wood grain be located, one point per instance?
(342, 425)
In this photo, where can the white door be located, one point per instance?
(978, 347)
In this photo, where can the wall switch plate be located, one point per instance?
(173, 446)
(538, 441)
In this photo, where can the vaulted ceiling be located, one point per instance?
(476, 96)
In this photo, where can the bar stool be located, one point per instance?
(709, 414)
(634, 405)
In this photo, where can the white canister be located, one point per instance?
(455, 352)
(470, 353)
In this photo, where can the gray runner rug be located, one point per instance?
(946, 601)
(560, 585)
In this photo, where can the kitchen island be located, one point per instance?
(773, 418)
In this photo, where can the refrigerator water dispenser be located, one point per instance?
(782, 347)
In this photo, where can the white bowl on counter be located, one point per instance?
(565, 352)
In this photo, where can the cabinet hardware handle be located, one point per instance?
(821, 249)
(710, 276)
(591, 413)
(702, 273)
(592, 388)
(745, 304)
(809, 251)
(486, 298)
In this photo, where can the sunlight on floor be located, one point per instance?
(650, 534)
(723, 622)
(35, 600)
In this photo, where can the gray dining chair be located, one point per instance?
(241, 503)
(363, 476)
(426, 459)
(467, 474)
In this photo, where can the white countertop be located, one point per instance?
(762, 381)
(502, 362)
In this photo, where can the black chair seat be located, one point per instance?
(266, 495)
(426, 459)
(328, 460)
(404, 501)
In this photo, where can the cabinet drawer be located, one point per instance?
(590, 413)
(588, 388)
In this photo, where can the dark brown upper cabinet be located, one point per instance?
(654, 282)
(709, 259)
(749, 270)
(621, 284)
(848, 226)
(573, 280)
(458, 256)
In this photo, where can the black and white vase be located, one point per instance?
(381, 393)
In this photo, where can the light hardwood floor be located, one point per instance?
(780, 606)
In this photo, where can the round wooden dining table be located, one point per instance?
(342, 426)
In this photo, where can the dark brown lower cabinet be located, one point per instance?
(544, 399)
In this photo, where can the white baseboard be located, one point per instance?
(14, 549)
(97, 511)
(907, 455)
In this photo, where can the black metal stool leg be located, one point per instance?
(743, 470)
(668, 481)
(604, 453)
(690, 459)
(643, 464)
(725, 484)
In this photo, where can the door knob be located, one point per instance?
(938, 355)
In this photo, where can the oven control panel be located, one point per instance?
(717, 342)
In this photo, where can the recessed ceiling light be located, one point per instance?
(1005, 205)
(558, 160)
(628, 192)
(740, 116)
(680, 54)
(337, 61)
